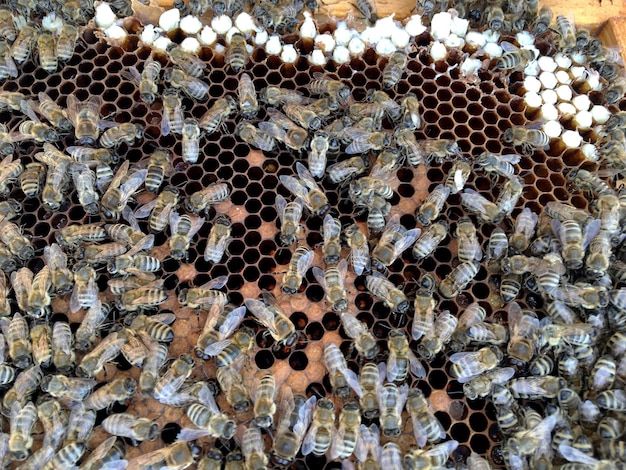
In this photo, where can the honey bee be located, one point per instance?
(284, 130)
(212, 460)
(435, 339)
(317, 155)
(501, 165)
(54, 420)
(72, 390)
(11, 100)
(528, 139)
(346, 169)
(193, 87)
(211, 195)
(597, 262)
(289, 215)
(394, 69)
(11, 235)
(22, 423)
(391, 399)
(130, 426)
(66, 456)
(364, 341)
(269, 314)
(359, 249)
(85, 182)
(335, 89)
(36, 130)
(159, 209)
(494, 17)
(558, 336)
(47, 47)
(467, 365)
(157, 353)
(172, 117)
(299, 264)
(348, 431)
(303, 116)
(123, 133)
(40, 336)
(237, 53)
(7, 140)
(458, 279)
(248, 103)
(241, 342)
(22, 280)
(615, 90)
(23, 44)
(63, 356)
(188, 62)
(367, 9)
(542, 22)
(331, 249)
(254, 136)
(514, 58)
(434, 457)
(10, 209)
(296, 413)
(89, 156)
(574, 240)
(482, 385)
(10, 170)
(580, 459)
(469, 249)
(141, 298)
(174, 378)
(430, 238)
(15, 332)
(56, 115)
(307, 189)
(332, 281)
(509, 195)
(218, 239)
(7, 26)
(426, 426)
(25, 384)
(264, 396)
(567, 32)
(275, 96)
(176, 455)
(486, 210)
(73, 235)
(523, 231)
(191, 140)
(184, 228)
(231, 382)
(458, 176)
(105, 351)
(392, 296)
(214, 118)
(121, 189)
(253, 448)
(613, 400)
(321, 433)
(401, 359)
(85, 118)
(205, 295)
(5, 306)
(363, 141)
(341, 378)
(430, 209)
(394, 240)
(66, 42)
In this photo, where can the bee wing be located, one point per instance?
(119, 174)
(165, 318)
(166, 125)
(415, 366)
(309, 440)
(215, 348)
(273, 130)
(28, 108)
(186, 434)
(353, 381)
(174, 220)
(347, 465)
(280, 203)
(132, 74)
(232, 321)
(100, 451)
(304, 263)
(335, 447)
(263, 314)
(407, 240)
(508, 47)
(352, 325)
(403, 393)
(305, 414)
(74, 301)
(572, 454)
(327, 227)
(511, 158)
(216, 283)
(318, 274)
(306, 176)
(392, 368)
(133, 183)
(502, 375)
(2, 348)
(590, 231)
(368, 439)
(293, 185)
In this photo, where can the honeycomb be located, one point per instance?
(473, 114)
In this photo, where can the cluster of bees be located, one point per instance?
(571, 361)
